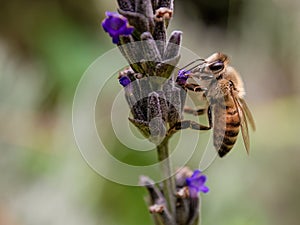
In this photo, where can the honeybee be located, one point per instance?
(227, 110)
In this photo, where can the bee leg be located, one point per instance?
(209, 116)
(196, 112)
(195, 88)
(184, 124)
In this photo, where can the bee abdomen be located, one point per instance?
(231, 131)
(224, 149)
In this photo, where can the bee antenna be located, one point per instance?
(193, 62)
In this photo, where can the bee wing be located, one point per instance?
(243, 121)
(244, 125)
(248, 113)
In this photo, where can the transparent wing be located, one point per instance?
(243, 121)
(244, 126)
(248, 113)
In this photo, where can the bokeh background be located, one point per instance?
(45, 47)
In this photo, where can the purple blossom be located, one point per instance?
(116, 25)
(124, 81)
(183, 73)
(196, 183)
(182, 77)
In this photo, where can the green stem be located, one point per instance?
(168, 184)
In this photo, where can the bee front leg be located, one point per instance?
(184, 124)
(195, 87)
(198, 112)
(195, 112)
(209, 116)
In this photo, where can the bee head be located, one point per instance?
(216, 67)
(208, 68)
(216, 63)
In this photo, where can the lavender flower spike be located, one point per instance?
(116, 25)
(196, 183)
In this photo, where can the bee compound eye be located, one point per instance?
(216, 67)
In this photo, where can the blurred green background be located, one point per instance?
(45, 47)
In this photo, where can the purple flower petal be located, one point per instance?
(196, 183)
(124, 81)
(116, 25)
(182, 77)
(115, 39)
(182, 73)
(204, 189)
(128, 30)
(193, 192)
(108, 14)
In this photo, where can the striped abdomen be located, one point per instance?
(226, 127)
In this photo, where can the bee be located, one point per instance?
(227, 110)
